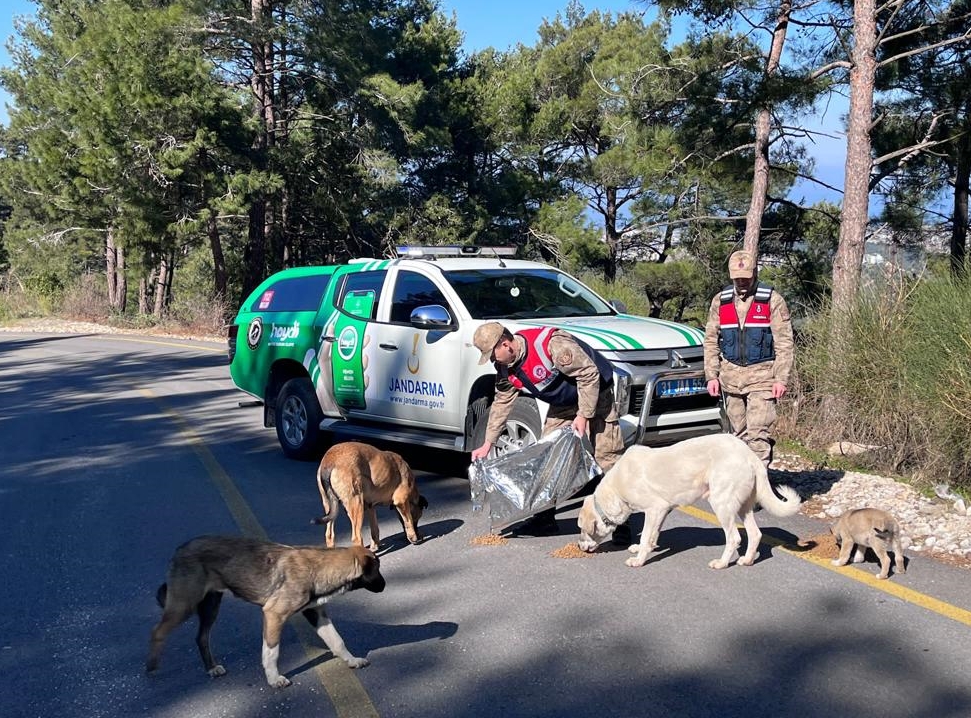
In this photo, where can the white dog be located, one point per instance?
(720, 468)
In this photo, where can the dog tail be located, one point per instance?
(327, 496)
(160, 595)
(766, 494)
(886, 533)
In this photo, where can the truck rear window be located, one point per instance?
(292, 294)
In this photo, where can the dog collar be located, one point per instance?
(603, 516)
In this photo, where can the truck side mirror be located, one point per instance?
(431, 316)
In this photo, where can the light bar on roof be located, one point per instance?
(455, 250)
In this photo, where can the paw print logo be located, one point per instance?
(254, 333)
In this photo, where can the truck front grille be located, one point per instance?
(661, 405)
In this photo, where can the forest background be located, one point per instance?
(161, 158)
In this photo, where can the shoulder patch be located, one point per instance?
(565, 357)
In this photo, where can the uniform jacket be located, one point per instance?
(764, 365)
(553, 366)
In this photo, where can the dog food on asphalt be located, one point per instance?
(489, 540)
(823, 546)
(571, 550)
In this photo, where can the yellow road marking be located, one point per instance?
(134, 340)
(342, 685)
(889, 587)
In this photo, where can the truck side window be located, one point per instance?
(413, 290)
(292, 294)
(361, 284)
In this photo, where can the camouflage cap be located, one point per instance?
(741, 265)
(485, 339)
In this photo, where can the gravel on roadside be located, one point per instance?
(939, 528)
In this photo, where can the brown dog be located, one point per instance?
(871, 528)
(363, 477)
(281, 579)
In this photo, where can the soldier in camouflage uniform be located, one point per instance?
(749, 353)
(554, 366)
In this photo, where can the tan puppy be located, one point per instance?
(720, 468)
(871, 528)
(281, 579)
(363, 477)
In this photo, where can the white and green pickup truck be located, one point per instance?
(382, 349)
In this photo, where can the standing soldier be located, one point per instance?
(575, 380)
(749, 353)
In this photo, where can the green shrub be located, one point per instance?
(904, 383)
(31, 296)
(17, 303)
(622, 289)
(937, 372)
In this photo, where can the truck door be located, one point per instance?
(348, 332)
(415, 371)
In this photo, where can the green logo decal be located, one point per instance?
(348, 361)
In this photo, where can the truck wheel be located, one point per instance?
(523, 427)
(298, 419)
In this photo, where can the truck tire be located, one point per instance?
(298, 419)
(523, 427)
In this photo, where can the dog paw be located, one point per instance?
(882, 576)
(355, 662)
(746, 561)
(216, 671)
(280, 682)
(634, 548)
(635, 562)
(717, 563)
(836, 562)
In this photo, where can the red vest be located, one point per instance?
(753, 343)
(537, 366)
(537, 376)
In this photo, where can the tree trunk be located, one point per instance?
(218, 258)
(610, 235)
(143, 295)
(261, 49)
(121, 286)
(161, 286)
(962, 179)
(115, 273)
(859, 162)
(848, 262)
(760, 178)
(111, 267)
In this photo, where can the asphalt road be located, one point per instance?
(116, 449)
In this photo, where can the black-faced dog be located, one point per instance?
(281, 579)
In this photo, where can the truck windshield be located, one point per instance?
(525, 294)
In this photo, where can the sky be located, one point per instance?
(504, 23)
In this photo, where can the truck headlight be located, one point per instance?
(622, 382)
